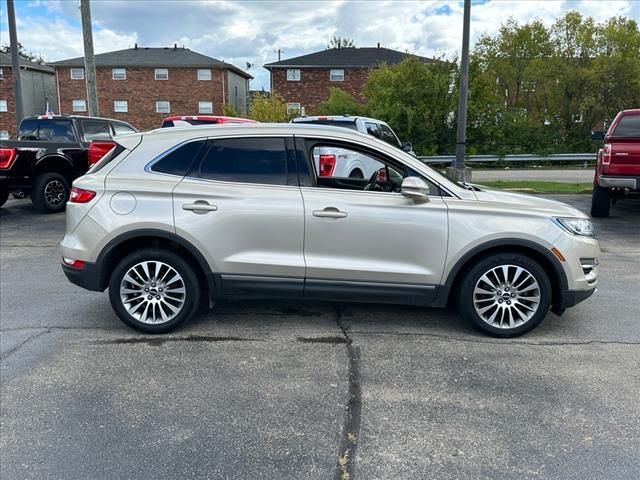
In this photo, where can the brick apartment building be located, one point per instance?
(142, 85)
(304, 81)
(38, 87)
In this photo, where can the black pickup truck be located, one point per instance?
(51, 152)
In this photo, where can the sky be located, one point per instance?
(249, 33)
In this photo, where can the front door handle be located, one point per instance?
(329, 212)
(200, 207)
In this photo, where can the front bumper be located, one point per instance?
(632, 183)
(569, 298)
(87, 277)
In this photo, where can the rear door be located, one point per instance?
(625, 147)
(241, 205)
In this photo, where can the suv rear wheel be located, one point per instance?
(600, 201)
(154, 290)
(505, 295)
(50, 192)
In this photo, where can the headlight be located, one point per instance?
(577, 226)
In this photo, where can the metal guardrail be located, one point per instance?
(556, 157)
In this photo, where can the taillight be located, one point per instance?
(98, 149)
(79, 195)
(606, 154)
(327, 165)
(74, 263)
(7, 157)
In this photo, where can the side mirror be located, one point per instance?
(407, 147)
(415, 188)
(597, 135)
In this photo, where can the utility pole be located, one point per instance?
(458, 170)
(89, 59)
(15, 63)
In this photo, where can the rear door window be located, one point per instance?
(95, 130)
(179, 160)
(47, 131)
(629, 126)
(246, 160)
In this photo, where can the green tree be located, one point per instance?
(417, 100)
(339, 103)
(340, 42)
(24, 53)
(229, 110)
(268, 108)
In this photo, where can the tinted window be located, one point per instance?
(387, 135)
(122, 129)
(247, 160)
(372, 129)
(46, 130)
(629, 126)
(179, 160)
(335, 123)
(95, 130)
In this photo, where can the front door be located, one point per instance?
(364, 237)
(240, 207)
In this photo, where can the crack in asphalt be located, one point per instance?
(353, 409)
(160, 341)
(24, 342)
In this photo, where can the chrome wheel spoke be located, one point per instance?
(148, 300)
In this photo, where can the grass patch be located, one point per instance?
(540, 187)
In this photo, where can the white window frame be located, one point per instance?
(293, 107)
(293, 75)
(208, 107)
(4, 106)
(4, 134)
(161, 110)
(79, 108)
(1, 74)
(120, 106)
(204, 74)
(76, 76)
(336, 75)
(121, 72)
(161, 71)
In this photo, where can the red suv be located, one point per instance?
(618, 165)
(186, 120)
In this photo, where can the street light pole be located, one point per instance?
(459, 171)
(89, 59)
(15, 63)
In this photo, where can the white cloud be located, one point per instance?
(252, 31)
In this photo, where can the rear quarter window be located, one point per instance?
(179, 161)
(628, 126)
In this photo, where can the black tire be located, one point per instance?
(50, 192)
(517, 303)
(600, 202)
(357, 173)
(191, 300)
(4, 195)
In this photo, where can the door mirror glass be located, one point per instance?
(415, 188)
(597, 135)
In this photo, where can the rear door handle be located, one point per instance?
(200, 207)
(329, 212)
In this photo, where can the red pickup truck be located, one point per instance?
(618, 164)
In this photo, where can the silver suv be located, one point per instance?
(174, 216)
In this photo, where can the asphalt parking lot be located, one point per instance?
(284, 389)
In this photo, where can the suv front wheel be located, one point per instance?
(154, 290)
(505, 295)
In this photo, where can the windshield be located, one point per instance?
(186, 122)
(351, 124)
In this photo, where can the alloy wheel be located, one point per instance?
(506, 296)
(152, 292)
(54, 193)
